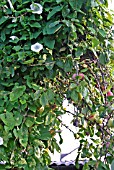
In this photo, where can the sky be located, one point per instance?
(69, 142)
(111, 4)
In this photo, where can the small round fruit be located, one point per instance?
(109, 93)
(103, 88)
(107, 144)
(80, 97)
(64, 108)
(15, 68)
(87, 133)
(100, 121)
(52, 131)
(81, 75)
(53, 107)
(74, 76)
(46, 150)
(84, 65)
(76, 136)
(111, 123)
(92, 117)
(76, 123)
(96, 85)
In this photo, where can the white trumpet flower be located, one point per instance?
(36, 8)
(1, 141)
(14, 37)
(36, 47)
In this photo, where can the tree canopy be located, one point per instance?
(53, 50)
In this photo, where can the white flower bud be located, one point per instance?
(14, 37)
(36, 8)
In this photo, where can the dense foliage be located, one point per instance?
(44, 45)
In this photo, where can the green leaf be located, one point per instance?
(79, 51)
(44, 133)
(51, 30)
(11, 25)
(50, 95)
(53, 24)
(76, 4)
(60, 63)
(38, 143)
(102, 33)
(112, 165)
(37, 94)
(72, 86)
(44, 99)
(74, 95)
(58, 1)
(73, 4)
(65, 11)
(39, 121)
(34, 34)
(17, 92)
(17, 48)
(3, 35)
(22, 162)
(23, 37)
(49, 118)
(85, 92)
(21, 55)
(29, 61)
(95, 42)
(49, 42)
(1, 102)
(29, 121)
(32, 108)
(54, 11)
(3, 167)
(35, 24)
(23, 136)
(28, 79)
(18, 118)
(49, 65)
(3, 19)
(8, 120)
(68, 65)
(35, 86)
(102, 58)
(92, 30)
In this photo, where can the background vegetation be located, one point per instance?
(72, 36)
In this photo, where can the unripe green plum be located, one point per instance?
(80, 97)
(99, 120)
(111, 122)
(92, 117)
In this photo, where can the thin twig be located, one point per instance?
(65, 126)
